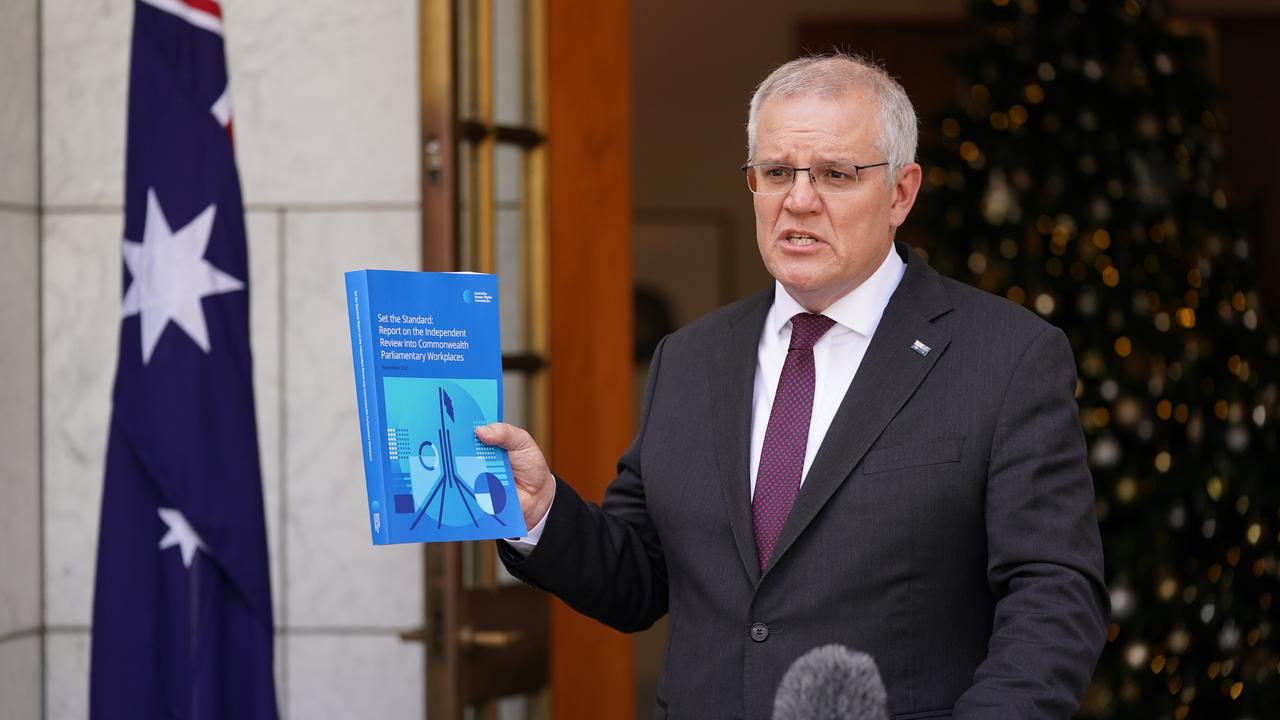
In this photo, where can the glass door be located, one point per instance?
(484, 210)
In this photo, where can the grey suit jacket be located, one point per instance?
(946, 525)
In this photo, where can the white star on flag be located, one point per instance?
(181, 534)
(170, 276)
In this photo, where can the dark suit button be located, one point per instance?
(759, 632)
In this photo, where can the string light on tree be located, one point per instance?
(1079, 174)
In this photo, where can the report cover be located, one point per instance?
(428, 368)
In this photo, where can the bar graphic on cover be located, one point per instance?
(427, 357)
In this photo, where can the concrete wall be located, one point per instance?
(21, 642)
(325, 99)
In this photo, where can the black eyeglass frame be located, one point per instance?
(857, 175)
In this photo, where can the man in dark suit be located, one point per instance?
(865, 453)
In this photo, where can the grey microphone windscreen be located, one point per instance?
(831, 682)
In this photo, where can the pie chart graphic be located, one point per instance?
(491, 496)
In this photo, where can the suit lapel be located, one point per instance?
(890, 371)
(732, 380)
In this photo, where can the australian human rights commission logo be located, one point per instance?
(476, 296)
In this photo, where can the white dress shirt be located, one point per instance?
(837, 356)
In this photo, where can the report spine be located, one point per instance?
(368, 401)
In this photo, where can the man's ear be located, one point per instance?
(905, 189)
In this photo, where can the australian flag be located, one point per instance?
(182, 602)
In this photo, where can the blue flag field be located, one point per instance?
(182, 601)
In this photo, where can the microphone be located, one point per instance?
(831, 682)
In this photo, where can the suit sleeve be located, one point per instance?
(1044, 551)
(605, 562)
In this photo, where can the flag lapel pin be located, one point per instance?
(921, 348)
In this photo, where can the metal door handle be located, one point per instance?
(434, 151)
(467, 637)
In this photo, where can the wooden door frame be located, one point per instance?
(589, 198)
(589, 313)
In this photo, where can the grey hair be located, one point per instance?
(833, 75)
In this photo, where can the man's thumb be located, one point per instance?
(499, 434)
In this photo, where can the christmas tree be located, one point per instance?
(1081, 175)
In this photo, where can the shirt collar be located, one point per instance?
(858, 310)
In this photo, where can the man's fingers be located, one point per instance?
(534, 483)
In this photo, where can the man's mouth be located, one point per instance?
(801, 240)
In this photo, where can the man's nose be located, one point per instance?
(803, 197)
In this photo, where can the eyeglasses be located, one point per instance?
(827, 178)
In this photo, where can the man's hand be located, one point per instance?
(534, 483)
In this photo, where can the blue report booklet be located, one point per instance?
(428, 366)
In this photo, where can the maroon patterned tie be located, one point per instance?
(785, 440)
